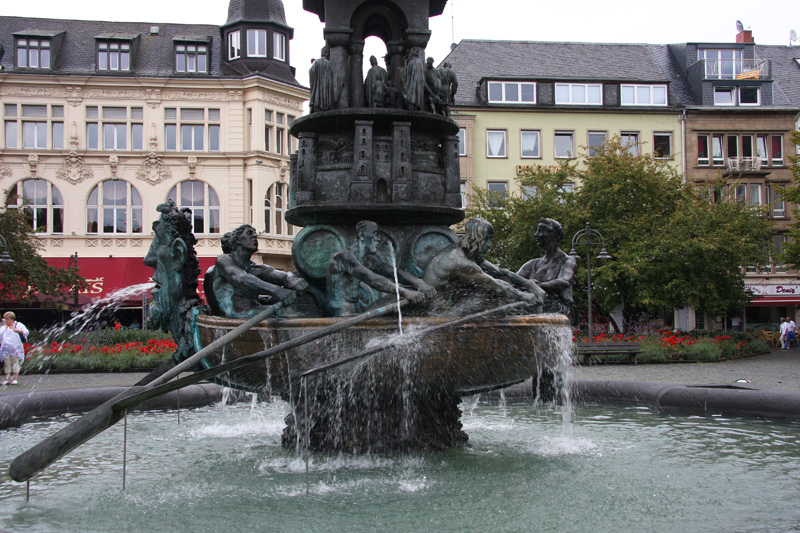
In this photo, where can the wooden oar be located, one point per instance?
(33, 461)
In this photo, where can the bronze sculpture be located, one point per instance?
(375, 84)
(323, 84)
(552, 272)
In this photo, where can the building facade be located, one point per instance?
(103, 121)
(713, 110)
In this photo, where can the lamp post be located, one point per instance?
(4, 257)
(589, 237)
(73, 263)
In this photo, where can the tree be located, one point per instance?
(671, 246)
(30, 273)
(791, 249)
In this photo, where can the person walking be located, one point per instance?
(790, 332)
(12, 350)
(782, 331)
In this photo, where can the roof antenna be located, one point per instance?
(452, 25)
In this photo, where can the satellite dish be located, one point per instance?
(792, 36)
(739, 26)
(453, 46)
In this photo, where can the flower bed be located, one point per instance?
(666, 345)
(89, 354)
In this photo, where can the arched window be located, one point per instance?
(202, 199)
(274, 205)
(114, 206)
(42, 203)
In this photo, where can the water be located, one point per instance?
(396, 289)
(620, 469)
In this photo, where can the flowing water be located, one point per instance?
(617, 469)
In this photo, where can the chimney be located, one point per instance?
(745, 36)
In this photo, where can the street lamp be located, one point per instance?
(4, 257)
(589, 237)
(73, 263)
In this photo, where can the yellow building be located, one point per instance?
(103, 121)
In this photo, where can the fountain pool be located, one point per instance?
(612, 469)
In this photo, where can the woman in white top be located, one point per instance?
(12, 351)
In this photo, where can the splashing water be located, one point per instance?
(396, 289)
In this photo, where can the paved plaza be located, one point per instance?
(779, 369)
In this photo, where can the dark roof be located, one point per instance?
(252, 10)
(785, 70)
(473, 60)
(154, 52)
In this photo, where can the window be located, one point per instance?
(579, 93)
(280, 133)
(662, 145)
(234, 45)
(775, 198)
(462, 142)
(190, 57)
(717, 154)
(739, 192)
(512, 92)
(630, 141)
(257, 43)
(114, 206)
(114, 55)
(202, 199)
(274, 206)
(463, 190)
(777, 150)
(643, 94)
(495, 143)
(755, 195)
(42, 204)
(564, 145)
(702, 150)
(724, 95)
(737, 96)
(749, 96)
(529, 144)
(721, 64)
(33, 52)
(279, 46)
(747, 146)
(761, 149)
(199, 129)
(498, 191)
(267, 131)
(779, 241)
(733, 146)
(595, 140)
(37, 124)
(116, 125)
(529, 192)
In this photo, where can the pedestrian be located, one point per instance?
(117, 325)
(736, 322)
(790, 334)
(782, 330)
(13, 335)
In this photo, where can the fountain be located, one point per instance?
(375, 186)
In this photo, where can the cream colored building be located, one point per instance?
(103, 121)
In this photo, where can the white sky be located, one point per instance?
(534, 20)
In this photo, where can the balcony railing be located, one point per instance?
(744, 164)
(737, 69)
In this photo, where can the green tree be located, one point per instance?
(30, 273)
(671, 246)
(791, 250)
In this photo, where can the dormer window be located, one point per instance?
(191, 57)
(114, 55)
(33, 52)
(256, 43)
(512, 92)
(279, 46)
(234, 45)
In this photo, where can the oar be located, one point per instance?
(133, 401)
(420, 333)
(67, 439)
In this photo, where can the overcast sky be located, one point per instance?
(530, 20)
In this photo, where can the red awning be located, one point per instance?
(775, 300)
(106, 275)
